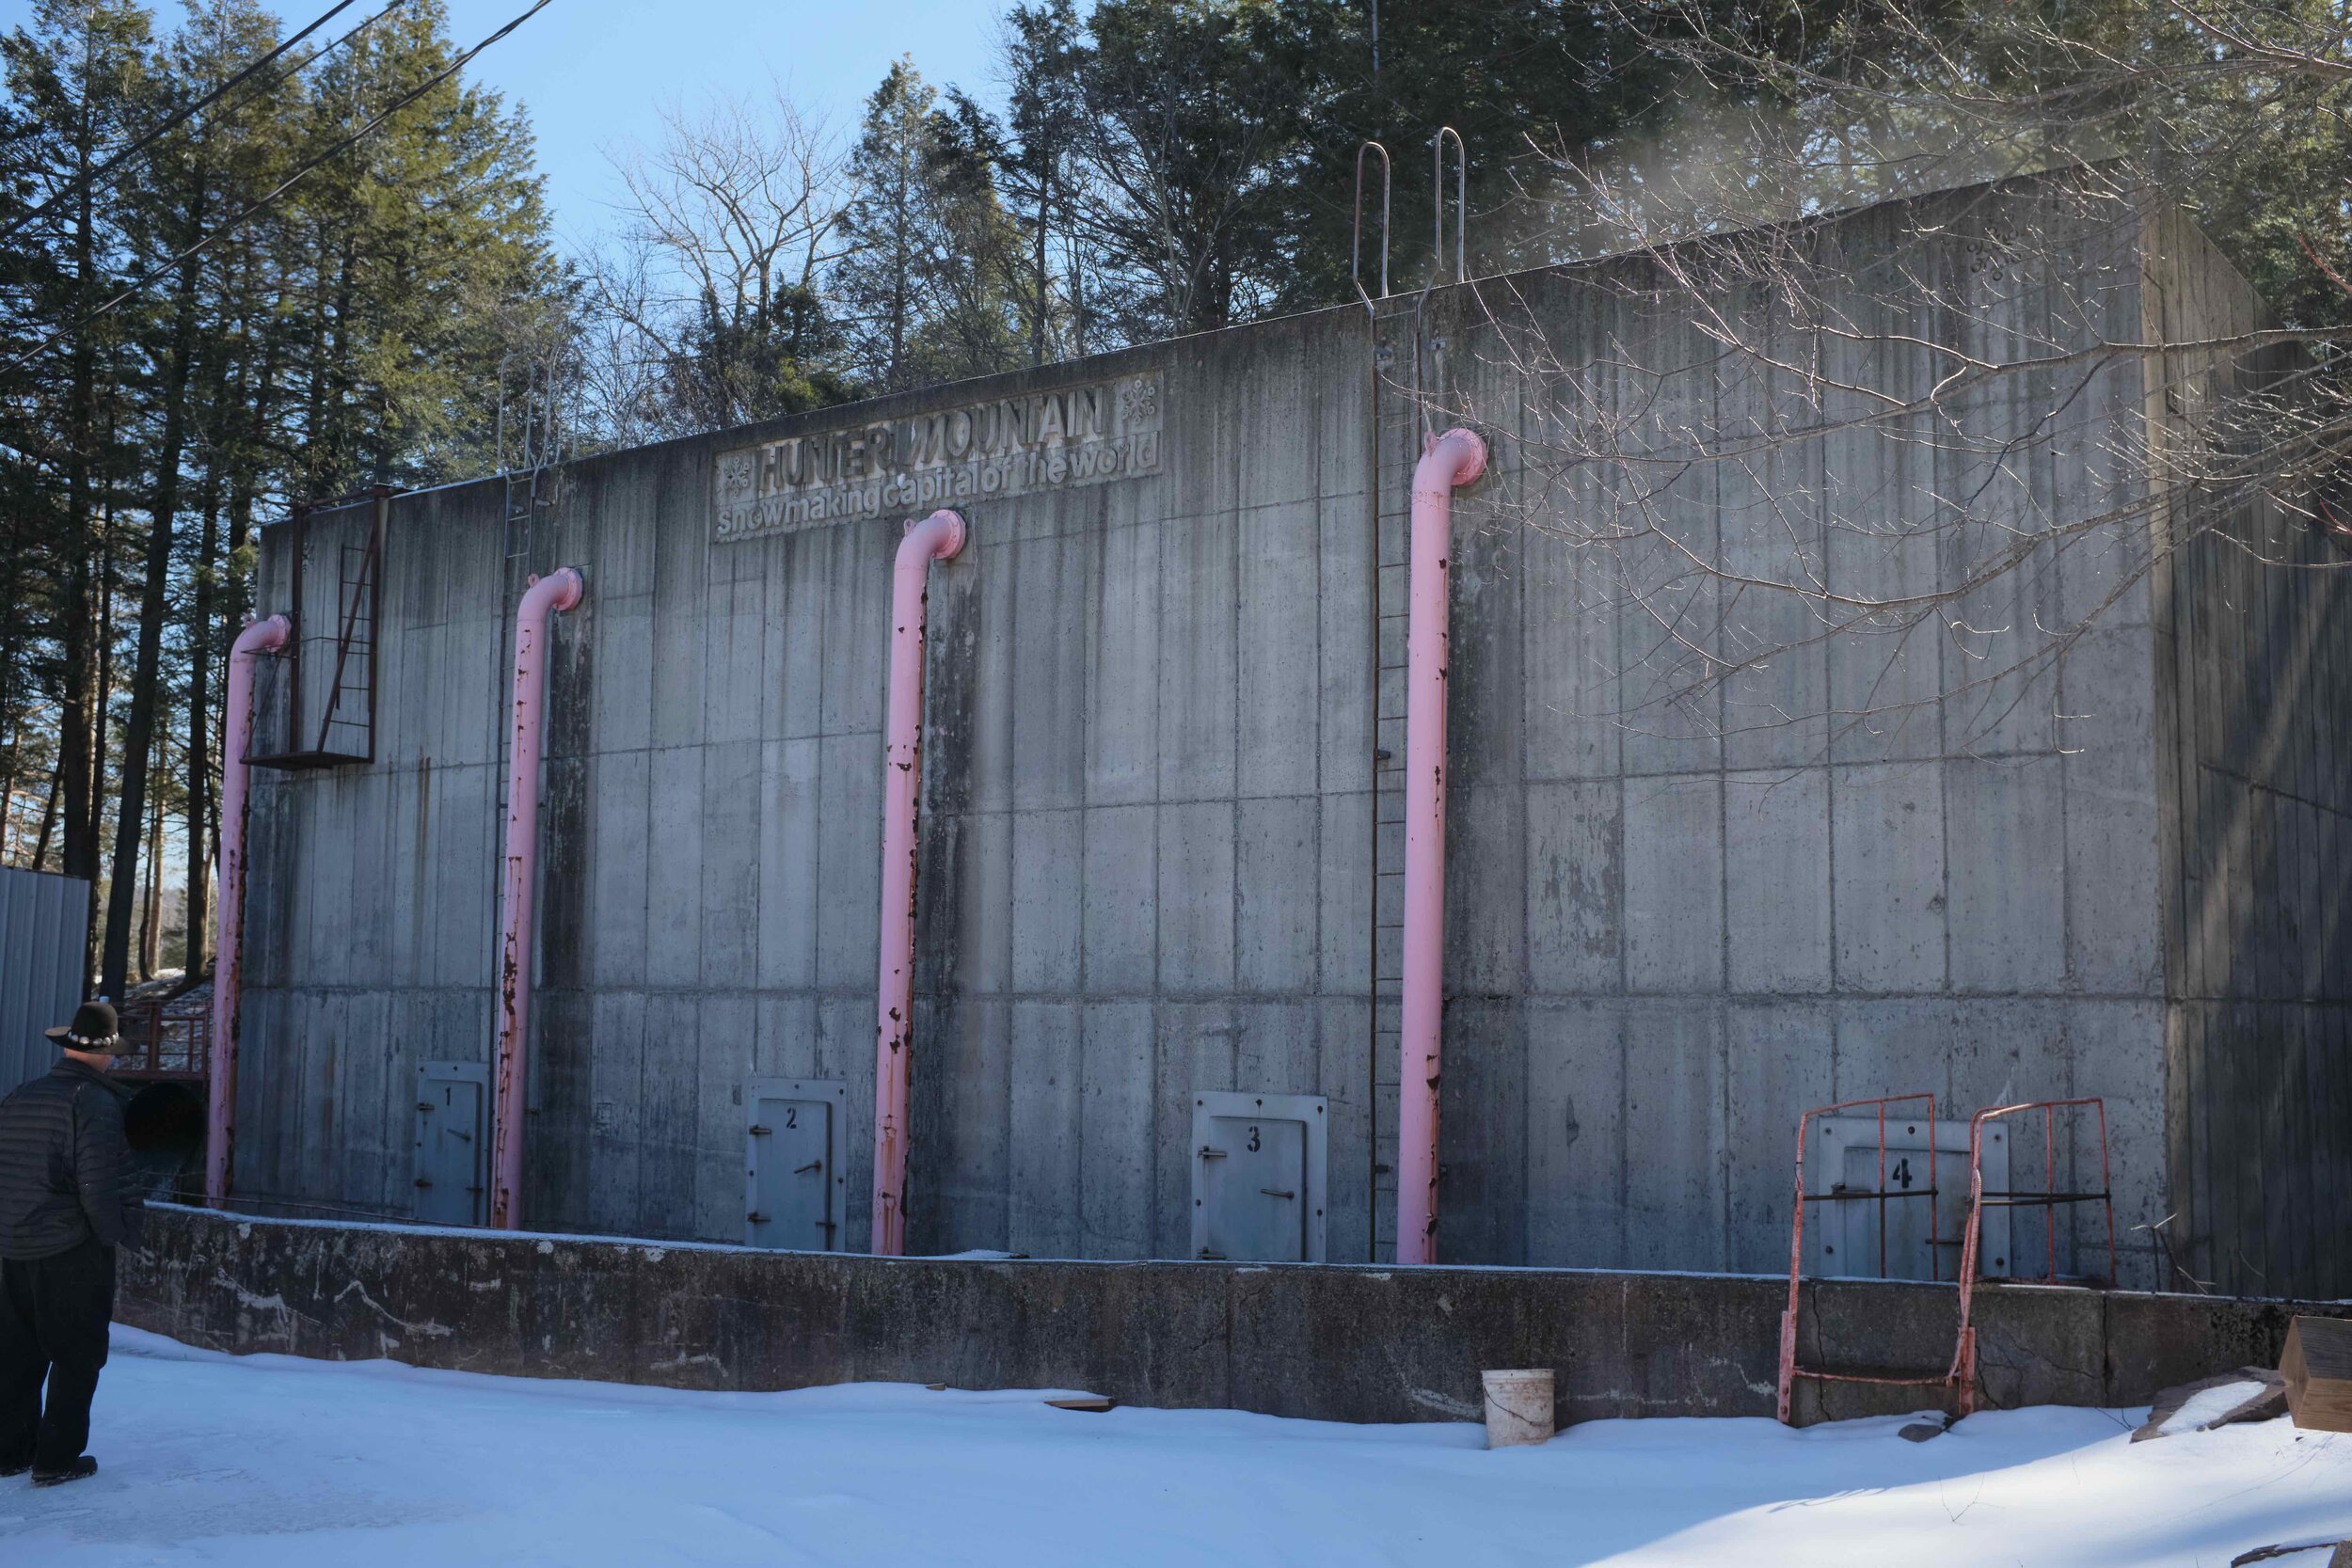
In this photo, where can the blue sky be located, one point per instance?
(592, 71)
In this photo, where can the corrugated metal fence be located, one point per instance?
(42, 921)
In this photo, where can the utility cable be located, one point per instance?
(256, 206)
(181, 118)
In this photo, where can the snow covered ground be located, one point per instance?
(269, 1460)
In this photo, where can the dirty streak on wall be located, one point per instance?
(1146, 816)
(1149, 792)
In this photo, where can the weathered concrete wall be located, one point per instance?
(2254, 698)
(1336, 1343)
(1147, 816)
(1710, 867)
(1160, 849)
(370, 918)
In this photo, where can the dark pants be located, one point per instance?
(53, 1313)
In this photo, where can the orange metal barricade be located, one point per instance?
(1790, 1373)
(1963, 1372)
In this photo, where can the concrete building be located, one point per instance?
(1718, 855)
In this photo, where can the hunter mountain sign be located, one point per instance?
(1009, 446)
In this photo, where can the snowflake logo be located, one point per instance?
(737, 472)
(1140, 400)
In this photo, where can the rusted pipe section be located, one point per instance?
(937, 537)
(558, 590)
(1447, 462)
(220, 1086)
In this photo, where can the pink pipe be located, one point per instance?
(937, 537)
(220, 1096)
(1447, 461)
(558, 590)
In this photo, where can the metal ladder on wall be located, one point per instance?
(532, 486)
(346, 731)
(1391, 554)
(1392, 522)
(533, 479)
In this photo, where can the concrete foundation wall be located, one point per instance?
(1331, 1343)
(1159, 853)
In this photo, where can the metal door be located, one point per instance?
(793, 1186)
(453, 1148)
(1921, 1235)
(1258, 1174)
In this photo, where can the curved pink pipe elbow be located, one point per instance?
(937, 537)
(558, 590)
(220, 1095)
(1449, 461)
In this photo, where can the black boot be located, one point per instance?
(11, 1468)
(81, 1469)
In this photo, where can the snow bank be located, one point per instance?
(270, 1460)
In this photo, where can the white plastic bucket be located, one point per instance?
(1519, 1407)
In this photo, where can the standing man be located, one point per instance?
(63, 1210)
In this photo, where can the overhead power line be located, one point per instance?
(262, 201)
(183, 116)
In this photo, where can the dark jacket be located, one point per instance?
(65, 1166)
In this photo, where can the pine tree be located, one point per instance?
(926, 286)
(76, 80)
(169, 211)
(175, 363)
(879, 280)
(1038, 156)
(409, 243)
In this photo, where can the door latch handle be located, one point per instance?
(812, 1165)
(1275, 1191)
(1208, 1154)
